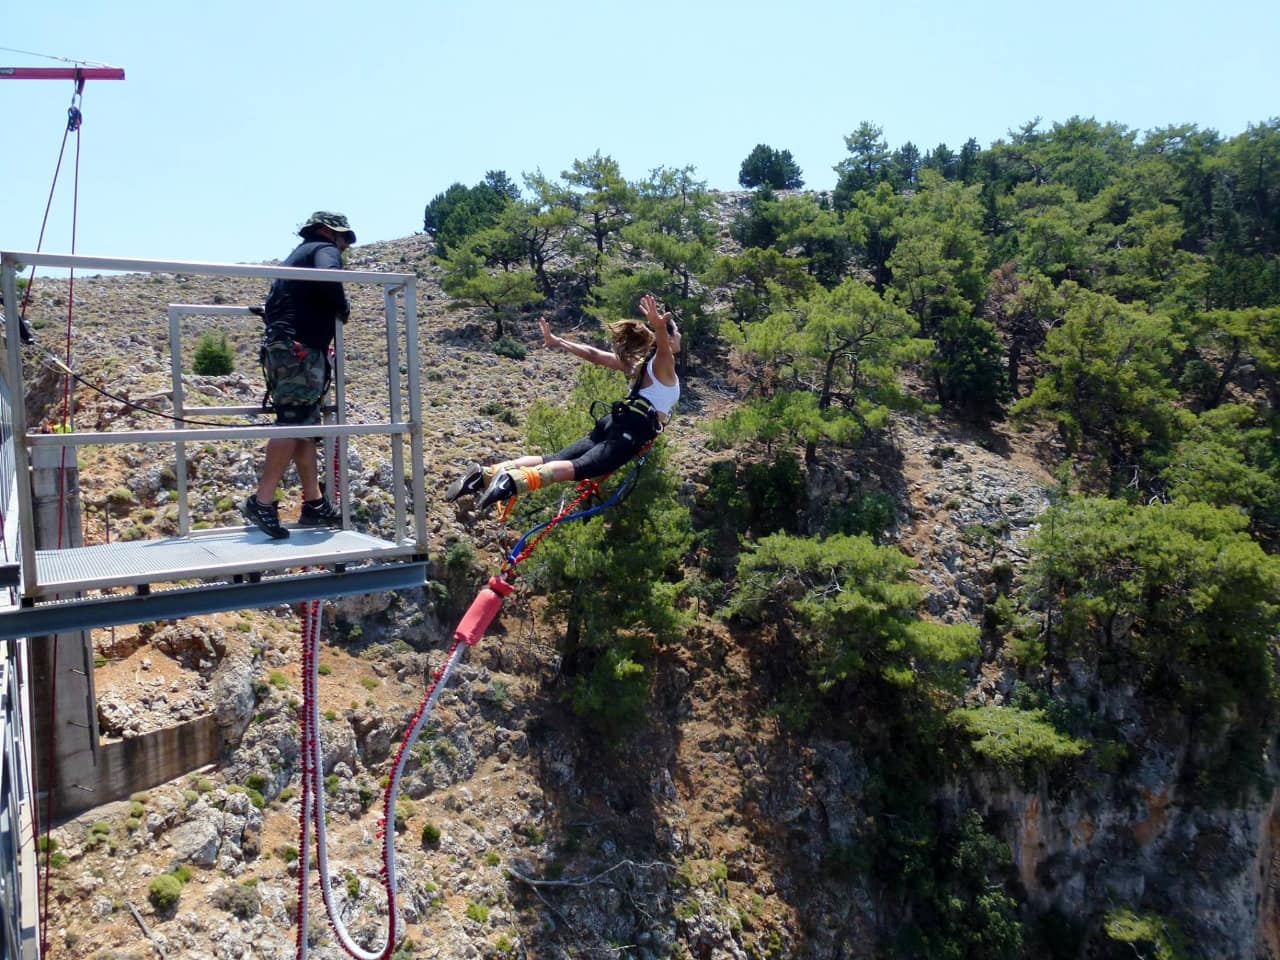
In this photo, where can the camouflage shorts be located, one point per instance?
(297, 378)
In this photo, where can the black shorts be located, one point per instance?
(613, 441)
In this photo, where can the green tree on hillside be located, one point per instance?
(462, 210)
(870, 162)
(1138, 236)
(938, 271)
(1233, 350)
(1245, 244)
(1176, 597)
(673, 225)
(967, 164)
(214, 355)
(943, 160)
(1050, 232)
(825, 241)
(537, 229)
(848, 609)
(905, 169)
(799, 226)
(759, 281)
(871, 220)
(938, 265)
(1106, 385)
(1081, 154)
(968, 366)
(1229, 458)
(999, 169)
(1022, 308)
(824, 369)
(486, 269)
(766, 166)
(1188, 152)
(671, 241)
(601, 198)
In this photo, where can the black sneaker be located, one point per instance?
(502, 488)
(264, 516)
(471, 483)
(319, 513)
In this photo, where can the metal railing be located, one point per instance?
(402, 380)
(17, 817)
(17, 822)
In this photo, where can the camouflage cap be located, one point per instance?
(327, 218)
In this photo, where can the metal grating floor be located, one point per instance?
(224, 553)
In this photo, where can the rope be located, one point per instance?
(310, 611)
(524, 547)
(468, 633)
(73, 122)
(49, 56)
(73, 125)
(44, 222)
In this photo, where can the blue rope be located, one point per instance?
(623, 488)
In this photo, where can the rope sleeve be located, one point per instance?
(483, 609)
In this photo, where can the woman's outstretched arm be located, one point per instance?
(605, 358)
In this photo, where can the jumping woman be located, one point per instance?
(645, 351)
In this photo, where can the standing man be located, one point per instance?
(301, 317)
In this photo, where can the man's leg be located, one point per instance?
(304, 458)
(260, 509)
(280, 451)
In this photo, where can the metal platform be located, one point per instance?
(231, 568)
(222, 553)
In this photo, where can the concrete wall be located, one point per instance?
(68, 753)
(127, 766)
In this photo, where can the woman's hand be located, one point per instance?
(649, 307)
(659, 319)
(548, 338)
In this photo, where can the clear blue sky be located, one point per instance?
(237, 119)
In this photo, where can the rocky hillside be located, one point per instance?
(710, 834)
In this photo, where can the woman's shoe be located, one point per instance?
(502, 488)
(471, 482)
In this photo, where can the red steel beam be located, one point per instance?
(61, 73)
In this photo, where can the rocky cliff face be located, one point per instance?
(715, 833)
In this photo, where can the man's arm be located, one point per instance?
(329, 257)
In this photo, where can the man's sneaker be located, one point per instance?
(502, 488)
(319, 513)
(471, 482)
(264, 516)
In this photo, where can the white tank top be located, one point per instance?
(658, 393)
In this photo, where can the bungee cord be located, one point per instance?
(471, 628)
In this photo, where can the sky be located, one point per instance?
(237, 119)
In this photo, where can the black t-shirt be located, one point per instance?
(310, 308)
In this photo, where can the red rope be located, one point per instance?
(68, 417)
(310, 611)
(586, 488)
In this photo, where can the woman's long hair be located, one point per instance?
(632, 343)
